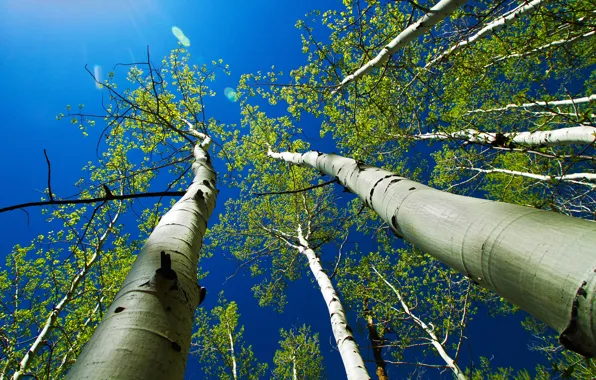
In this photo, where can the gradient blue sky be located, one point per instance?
(44, 46)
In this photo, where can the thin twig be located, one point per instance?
(296, 191)
(49, 175)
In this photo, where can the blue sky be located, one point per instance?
(45, 46)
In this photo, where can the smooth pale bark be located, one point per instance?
(232, 353)
(573, 178)
(541, 261)
(437, 13)
(546, 47)
(565, 136)
(50, 322)
(346, 344)
(428, 330)
(554, 103)
(146, 332)
(495, 24)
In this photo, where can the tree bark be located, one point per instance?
(147, 330)
(376, 343)
(499, 22)
(539, 260)
(553, 103)
(577, 178)
(442, 9)
(579, 135)
(346, 344)
(429, 331)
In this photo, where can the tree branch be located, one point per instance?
(296, 191)
(93, 200)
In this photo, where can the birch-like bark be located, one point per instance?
(580, 135)
(232, 352)
(428, 330)
(578, 178)
(442, 9)
(294, 372)
(545, 47)
(554, 103)
(146, 332)
(346, 344)
(495, 24)
(50, 322)
(541, 261)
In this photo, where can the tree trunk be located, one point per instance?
(346, 344)
(539, 260)
(51, 320)
(376, 343)
(437, 345)
(437, 13)
(579, 135)
(577, 178)
(146, 332)
(543, 104)
(499, 22)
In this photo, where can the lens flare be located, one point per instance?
(98, 78)
(179, 34)
(231, 94)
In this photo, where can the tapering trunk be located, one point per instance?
(585, 179)
(146, 332)
(51, 320)
(442, 9)
(346, 344)
(539, 260)
(542, 104)
(376, 344)
(580, 135)
(547, 46)
(499, 22)
(437, 345)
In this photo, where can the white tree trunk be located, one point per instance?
(582, 134)
(346, 344)
(232, 351)
(545, 47)
(428, 330)
(578, 178)
(50, 322)
(499, 22)
(541, 261)
(437, 13)
(554, 103)
(146, 332)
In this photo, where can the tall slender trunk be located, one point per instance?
(437, 13)
(50, 322)
(451, 364)
(577, 178)
(376, 343)
(294, 371)
(582, 134)
(346, 344)
(544, 104)
(545, 47)
(232, 351)
(146, 332)
(495, 24)
(539, 260)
